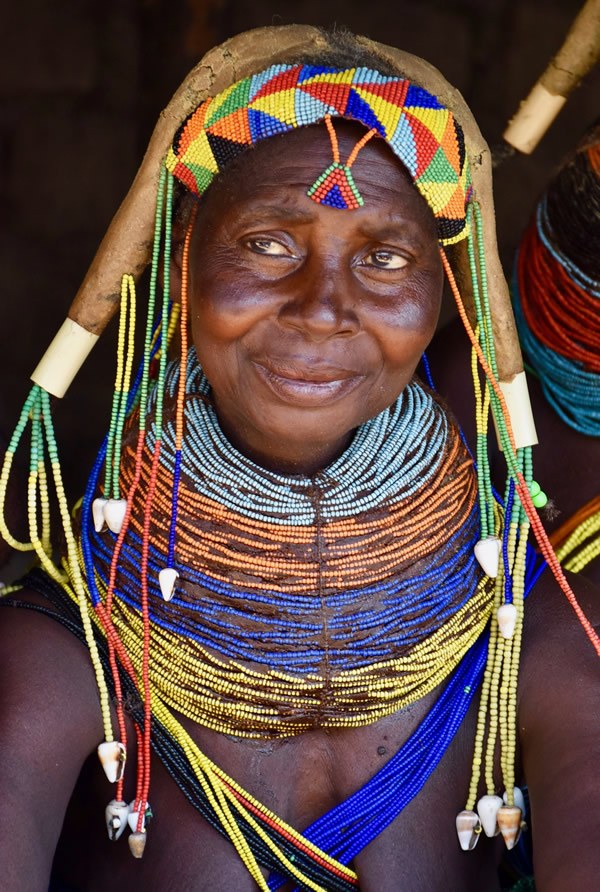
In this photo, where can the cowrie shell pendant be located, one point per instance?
(114, 514)
(112, 755)
(487, 552)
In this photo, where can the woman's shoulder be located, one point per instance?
(554, 619)
(559, 662)
(47, 676)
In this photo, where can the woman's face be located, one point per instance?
(309, 320)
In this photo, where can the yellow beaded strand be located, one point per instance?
(577, 552)
(37, 412)
(127, 319)
(205, 769)
(216, 698)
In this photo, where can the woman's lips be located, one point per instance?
(308, 386)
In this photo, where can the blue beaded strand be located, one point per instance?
(349, 827)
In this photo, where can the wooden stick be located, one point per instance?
(577, 56)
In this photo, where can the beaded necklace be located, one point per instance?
(556, 299)
(429, 142)
(564, 357)
(385, 606)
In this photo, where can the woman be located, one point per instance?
(288, 599)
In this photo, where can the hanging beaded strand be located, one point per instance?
(37, 412)
(508, 816)
(510, 453)
(30, 406)
(138, 838)
(504, 647)
(499, 697)
(168, 575)
(109, 508)
(117, 810)
(138, 842)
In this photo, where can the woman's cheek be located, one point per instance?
(409, 313)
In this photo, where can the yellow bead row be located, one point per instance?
(214, 692)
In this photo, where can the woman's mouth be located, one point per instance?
(306, 385)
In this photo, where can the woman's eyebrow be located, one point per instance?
(267, 212)
(406, 230)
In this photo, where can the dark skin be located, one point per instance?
(267, 293)
(565, 461)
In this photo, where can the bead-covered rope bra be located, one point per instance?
(350, 618)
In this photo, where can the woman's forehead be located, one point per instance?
(272, 180)
(308, 151)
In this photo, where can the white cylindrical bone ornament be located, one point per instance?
(533, 120)
(518, 404)
(63, 358)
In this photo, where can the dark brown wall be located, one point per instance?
(81, 83)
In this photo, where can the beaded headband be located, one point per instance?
(421, 132)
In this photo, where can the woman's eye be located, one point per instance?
(267, 246)
(383, 259)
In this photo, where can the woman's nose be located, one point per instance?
(322, 304)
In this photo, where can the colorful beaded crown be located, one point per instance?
(421, 132)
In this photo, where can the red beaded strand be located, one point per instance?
(568, 323)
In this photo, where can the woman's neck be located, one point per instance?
(298, 458)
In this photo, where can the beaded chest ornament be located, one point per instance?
(427, 139)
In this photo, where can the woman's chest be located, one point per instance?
(300, 780)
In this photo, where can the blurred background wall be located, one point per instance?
(82, 82)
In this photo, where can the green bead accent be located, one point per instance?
(534, 488)
(540, 500)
